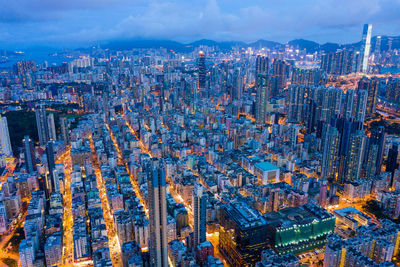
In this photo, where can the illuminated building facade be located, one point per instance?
(243, 234)
(296, 230)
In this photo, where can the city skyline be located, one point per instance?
(83, 23)
(149, 152)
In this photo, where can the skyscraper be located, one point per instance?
(365, 46)
(52, 127)
(323, 185)
(237, 85)
(42, 125)
(3, 218)
(26, 253)
(29, 154)
(377, 141)
(199, 212)
(243, 234)
(262, 65)
(355, 156)
(391, 163)
(5, 138)
(372, 87)
(202, 70)
(64, 129)
(330, 152)
(297, 102)
(157, 213)
(393, 89)
(262, 98)
(50, 166)
(53, 250)
(337, 63)
(105, 102)
(279, 70)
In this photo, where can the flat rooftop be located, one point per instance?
(266, 166)
(243, 215)
(301, 215)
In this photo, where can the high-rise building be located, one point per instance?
(26, 253)
(5, 138)
(377, 141)
(262, 65)
(42, 125)
(279, 70)
(237, 85)
(391, 163)
(297, 102)
(301, 76)
(157, 213)
(51, 166)
(337, 63)
(365, 47)
(360, 105)
(393, 90)
(242, 235)
(323, 190)
(330, 153)
(199, 212)
(372, 87)
(52, 127)
(64, 129)
(346, 128)
(124, 225)
(202, 70)
(53, 250)
(299, 229)
(3, 218)
(105, 102)
(355, 156)
(262, 98)
(29, 154)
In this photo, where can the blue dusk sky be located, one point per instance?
(72, 23)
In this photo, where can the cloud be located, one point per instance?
(77, 22)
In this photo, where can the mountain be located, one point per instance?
(330, 47)
(264, 43)
(145, 43)
(226, 45)
(308, 45)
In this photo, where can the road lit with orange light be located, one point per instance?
(114, 245)
(68, 221)
(213, 237)
(133, 182)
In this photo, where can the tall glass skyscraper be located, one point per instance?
(202, 70)
(199, 213)
(365, 47)
(157, 213)
(262, 98)
(42, 125)
(5, 137)
(29, 154)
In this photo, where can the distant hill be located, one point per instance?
(143, 43)
(330, 47)
(308, 45)
(221, 45)
(264, 43)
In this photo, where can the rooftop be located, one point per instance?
(301, 215)
(266, 166)
(243, 215)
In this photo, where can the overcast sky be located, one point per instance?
(71, 23)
